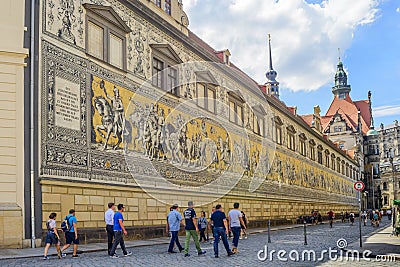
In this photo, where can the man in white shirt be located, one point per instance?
(235, 222)
(109, 219)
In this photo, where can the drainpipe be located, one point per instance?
(32, 87)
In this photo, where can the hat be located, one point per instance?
(190, 203)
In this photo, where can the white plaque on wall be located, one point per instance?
(67, 104)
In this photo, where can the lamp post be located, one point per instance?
(394, 191)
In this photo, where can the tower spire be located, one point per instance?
(338, 54)
(272, 84)
(270, 53)
(341, 88)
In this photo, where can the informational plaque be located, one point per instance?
(67, 104)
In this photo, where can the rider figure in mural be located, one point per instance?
(118, 110)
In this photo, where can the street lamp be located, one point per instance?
(394, 192)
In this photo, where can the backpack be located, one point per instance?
(65, 225)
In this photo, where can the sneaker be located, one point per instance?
(231, 253)
(245, 237)
(181, 249)
(216, 256)
(75, 256)
(240, 238)
(63, 255)
(115, 256)
(201, 252)
(46, 258)
(128, 253)
(172, 252)
(187, 255)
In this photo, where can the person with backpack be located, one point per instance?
(119, 231)
(71, 233)
(202, 225)
(174, 220)
(244, 226)
(52, 236)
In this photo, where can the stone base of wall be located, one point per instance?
(11, 226)
(145, 217)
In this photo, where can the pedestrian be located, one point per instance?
(376, 219)
(109, 219)
(244, 226)
(347, 216)
(343, 216)
(191, 230)
(235, 222)
(371, 217)
(351, 218)
(52, 236)
(202, 225)
(389, 214)
(119, 231)
(218, 219)
(210, 225)
(319, 218)
(174, 220)
(364, 217)
(71, 235)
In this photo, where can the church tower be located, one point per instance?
(341, 88)
(272, 85)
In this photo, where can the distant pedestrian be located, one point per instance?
(109, 219)
(235, 221)
(389, 214)
(71, 236)
(371, 217)
(244, 226)
(210, 225)
(376, 219)
(218, 219)
(191, 230)
(364, 217)
(174, 220)
(319, 216)
(351, 218)
(343, 216)
(347, 216)
(119, 231)
(52, 236)
(202, 224)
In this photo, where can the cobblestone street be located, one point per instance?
(319, 237)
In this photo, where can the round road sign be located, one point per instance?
(359, 186)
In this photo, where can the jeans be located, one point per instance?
(174, 238)
(110, 237)
(192, 233)
(220, 232)
(119, 239)
(236, 234)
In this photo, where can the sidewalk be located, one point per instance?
(379, 243)
(38, 252)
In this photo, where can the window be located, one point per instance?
(327, 160)
(320, 157)
(106, 35)
(278, 134)
(333, 163)
(261, 125)
(302, 139)
(236, 110)
(165, 74)
(206, 96)
(385, 200)
(385, 186)
(158, 3)
(343, 168)
(338, 165)
(168, 7)
(158, 67)
(312, 149)
(291, 137)
(337, 129)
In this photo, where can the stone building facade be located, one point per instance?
(134, 108)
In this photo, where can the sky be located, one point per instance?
(305, 37)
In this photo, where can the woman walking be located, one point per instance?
(202, 225)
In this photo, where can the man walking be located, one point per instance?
(109, 219)
(71, 236)
(218, 219)
(235, 222)
(119, 230)
(191, 230)
(174, 223)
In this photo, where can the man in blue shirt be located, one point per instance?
(119, 229)
(174, 223)
(71, 236)
(218, 219)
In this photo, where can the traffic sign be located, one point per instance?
(359, 186)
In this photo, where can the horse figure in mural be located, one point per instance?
(107, 121)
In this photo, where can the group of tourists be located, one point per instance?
(221, 226)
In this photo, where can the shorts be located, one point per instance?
(51, 238)
(70, 238)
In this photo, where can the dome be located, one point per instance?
(372, 132)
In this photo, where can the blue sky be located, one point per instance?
(305, 38)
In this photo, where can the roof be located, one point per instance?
(349, 111)
(308, 118)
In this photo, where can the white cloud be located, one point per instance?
(305, 36)
(398, 10)
(384, 111)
